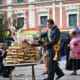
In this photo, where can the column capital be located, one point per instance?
(9, 2)
(54, 11)
(31, 0)
(60, 4)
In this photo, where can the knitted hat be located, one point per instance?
(71, 31)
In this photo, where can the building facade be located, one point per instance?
(34, 13)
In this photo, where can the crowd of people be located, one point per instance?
(53, 50)
(67, 47)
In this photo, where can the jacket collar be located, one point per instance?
(54, 27)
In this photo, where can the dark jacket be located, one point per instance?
(2, 56)
(55, 36)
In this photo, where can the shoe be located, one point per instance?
(6, 76)
(73, 73)
(45, 73)
(1, 74)
(59, 77)
(45, 79)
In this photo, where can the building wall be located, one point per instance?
(64, 17)
(79, 20)
(31, 10)
(57, 16)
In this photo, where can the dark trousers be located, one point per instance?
(7, 70)
(54, 68)
(1, 68)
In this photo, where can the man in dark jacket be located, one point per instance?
(53, 36)
(3, 54)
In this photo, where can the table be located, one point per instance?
(20, 65)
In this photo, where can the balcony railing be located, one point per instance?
(42, 0)
(55, 0)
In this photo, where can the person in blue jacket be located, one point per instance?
(52, 35)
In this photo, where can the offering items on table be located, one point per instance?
(21, 53)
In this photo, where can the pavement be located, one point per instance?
(24, 73)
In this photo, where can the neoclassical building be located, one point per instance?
(34, 13)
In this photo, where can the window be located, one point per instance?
(43, 0)
(20, 22)
(1, 1)
(43, 20)
(20, 1)
(73, 20)
(1, 19)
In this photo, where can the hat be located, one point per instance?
(72, 31)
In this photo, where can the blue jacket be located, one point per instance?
(55, 36)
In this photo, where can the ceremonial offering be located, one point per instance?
(21, 53)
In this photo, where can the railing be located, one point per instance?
(55, 0)
(43, 0)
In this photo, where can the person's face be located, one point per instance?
(49, 25)
(1, 45)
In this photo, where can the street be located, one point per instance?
(24, 73)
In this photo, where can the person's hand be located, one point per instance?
(38, 37)
(46, 54)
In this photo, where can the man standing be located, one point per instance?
(53, 36)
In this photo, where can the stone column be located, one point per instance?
(31, 0)
(31, 14)
(9, 12)
(60, 14)
(54, 11)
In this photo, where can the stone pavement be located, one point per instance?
(24, 73)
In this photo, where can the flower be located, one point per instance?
(25, 41)
(56, 47)
(14, 33)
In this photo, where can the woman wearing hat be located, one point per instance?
(72, 63)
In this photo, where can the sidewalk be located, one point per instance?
(24, 73)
